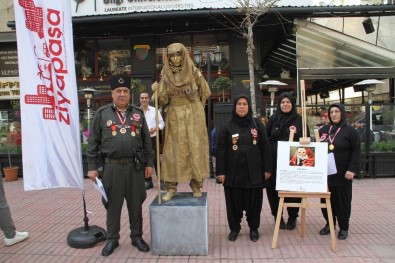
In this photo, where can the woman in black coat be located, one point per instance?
(243, 164)
(280, 124)
(343, 140)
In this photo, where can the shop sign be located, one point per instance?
(9, 89)
(141, 51)
(100, 86)
(111, 7)
(8, 61)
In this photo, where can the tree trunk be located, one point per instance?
(250, 56)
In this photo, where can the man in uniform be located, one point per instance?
(120, 135)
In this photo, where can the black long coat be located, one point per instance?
(245, 166)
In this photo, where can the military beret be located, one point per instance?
(120, 81)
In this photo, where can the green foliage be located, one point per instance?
(222, 83)
(84, 147)
(383, 146)
(137, 85)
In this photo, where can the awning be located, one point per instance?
(330, 58)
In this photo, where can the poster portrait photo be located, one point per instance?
(302, 167)
(302, 156)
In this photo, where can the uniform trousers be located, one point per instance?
(341, 197)
(6, 222)
(124, 182)
(274, 200)
(243, 199)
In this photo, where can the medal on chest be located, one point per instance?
(331, 147)
(114, 130)
(254, 134)
(235, 138)
(133, 133)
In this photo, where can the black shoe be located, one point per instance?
(109, 248)
(140, 244)
(233, 235)
(291, 224)
(254, 235)
(325, 231)
(148, 185)
(282, 222)
(343, 234)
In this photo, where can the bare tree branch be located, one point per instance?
(252, 11)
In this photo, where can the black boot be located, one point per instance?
(282, 222)
(291, 224)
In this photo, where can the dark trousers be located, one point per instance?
(274, 200)
(123, 182)
(153, 142)
(341, 197)
(243, 199)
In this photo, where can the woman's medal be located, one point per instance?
(331, 147)
(254, 134)
(235, 137)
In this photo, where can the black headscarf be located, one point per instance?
(343, 119)
(285, 119)
(242, 121)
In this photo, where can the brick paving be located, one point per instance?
(49, 215)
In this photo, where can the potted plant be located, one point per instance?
(11, 145)
(137, 86)
(221, 84)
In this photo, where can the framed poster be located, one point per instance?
(302, 167)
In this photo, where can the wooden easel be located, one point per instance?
(304, 195)
(303, 205)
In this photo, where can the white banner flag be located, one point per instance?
(51, 144)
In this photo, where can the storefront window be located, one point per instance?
(10, 131)
(84, 56)
(202, 42)
(114, 56)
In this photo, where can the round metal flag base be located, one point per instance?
(82, 238)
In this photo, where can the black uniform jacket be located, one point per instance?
(257, 156)
(111, 138)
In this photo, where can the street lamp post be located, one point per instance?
(88, 93)
(369, 85)
(272, 88)
(197, 57)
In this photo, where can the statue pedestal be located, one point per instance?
(179, 227)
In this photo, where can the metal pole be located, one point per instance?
(158, 175)
(208, 61)
(271, 102)
(88, 107)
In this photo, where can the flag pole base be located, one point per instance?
(82, 238)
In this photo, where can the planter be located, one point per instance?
(383, 164)
(11, 173)
(16, 160)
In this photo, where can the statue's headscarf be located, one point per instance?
(185, 69)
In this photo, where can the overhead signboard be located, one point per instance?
(9, 88)
(110, 7)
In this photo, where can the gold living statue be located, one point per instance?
(184, 91)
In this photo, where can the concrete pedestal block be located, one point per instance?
(180, 226)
